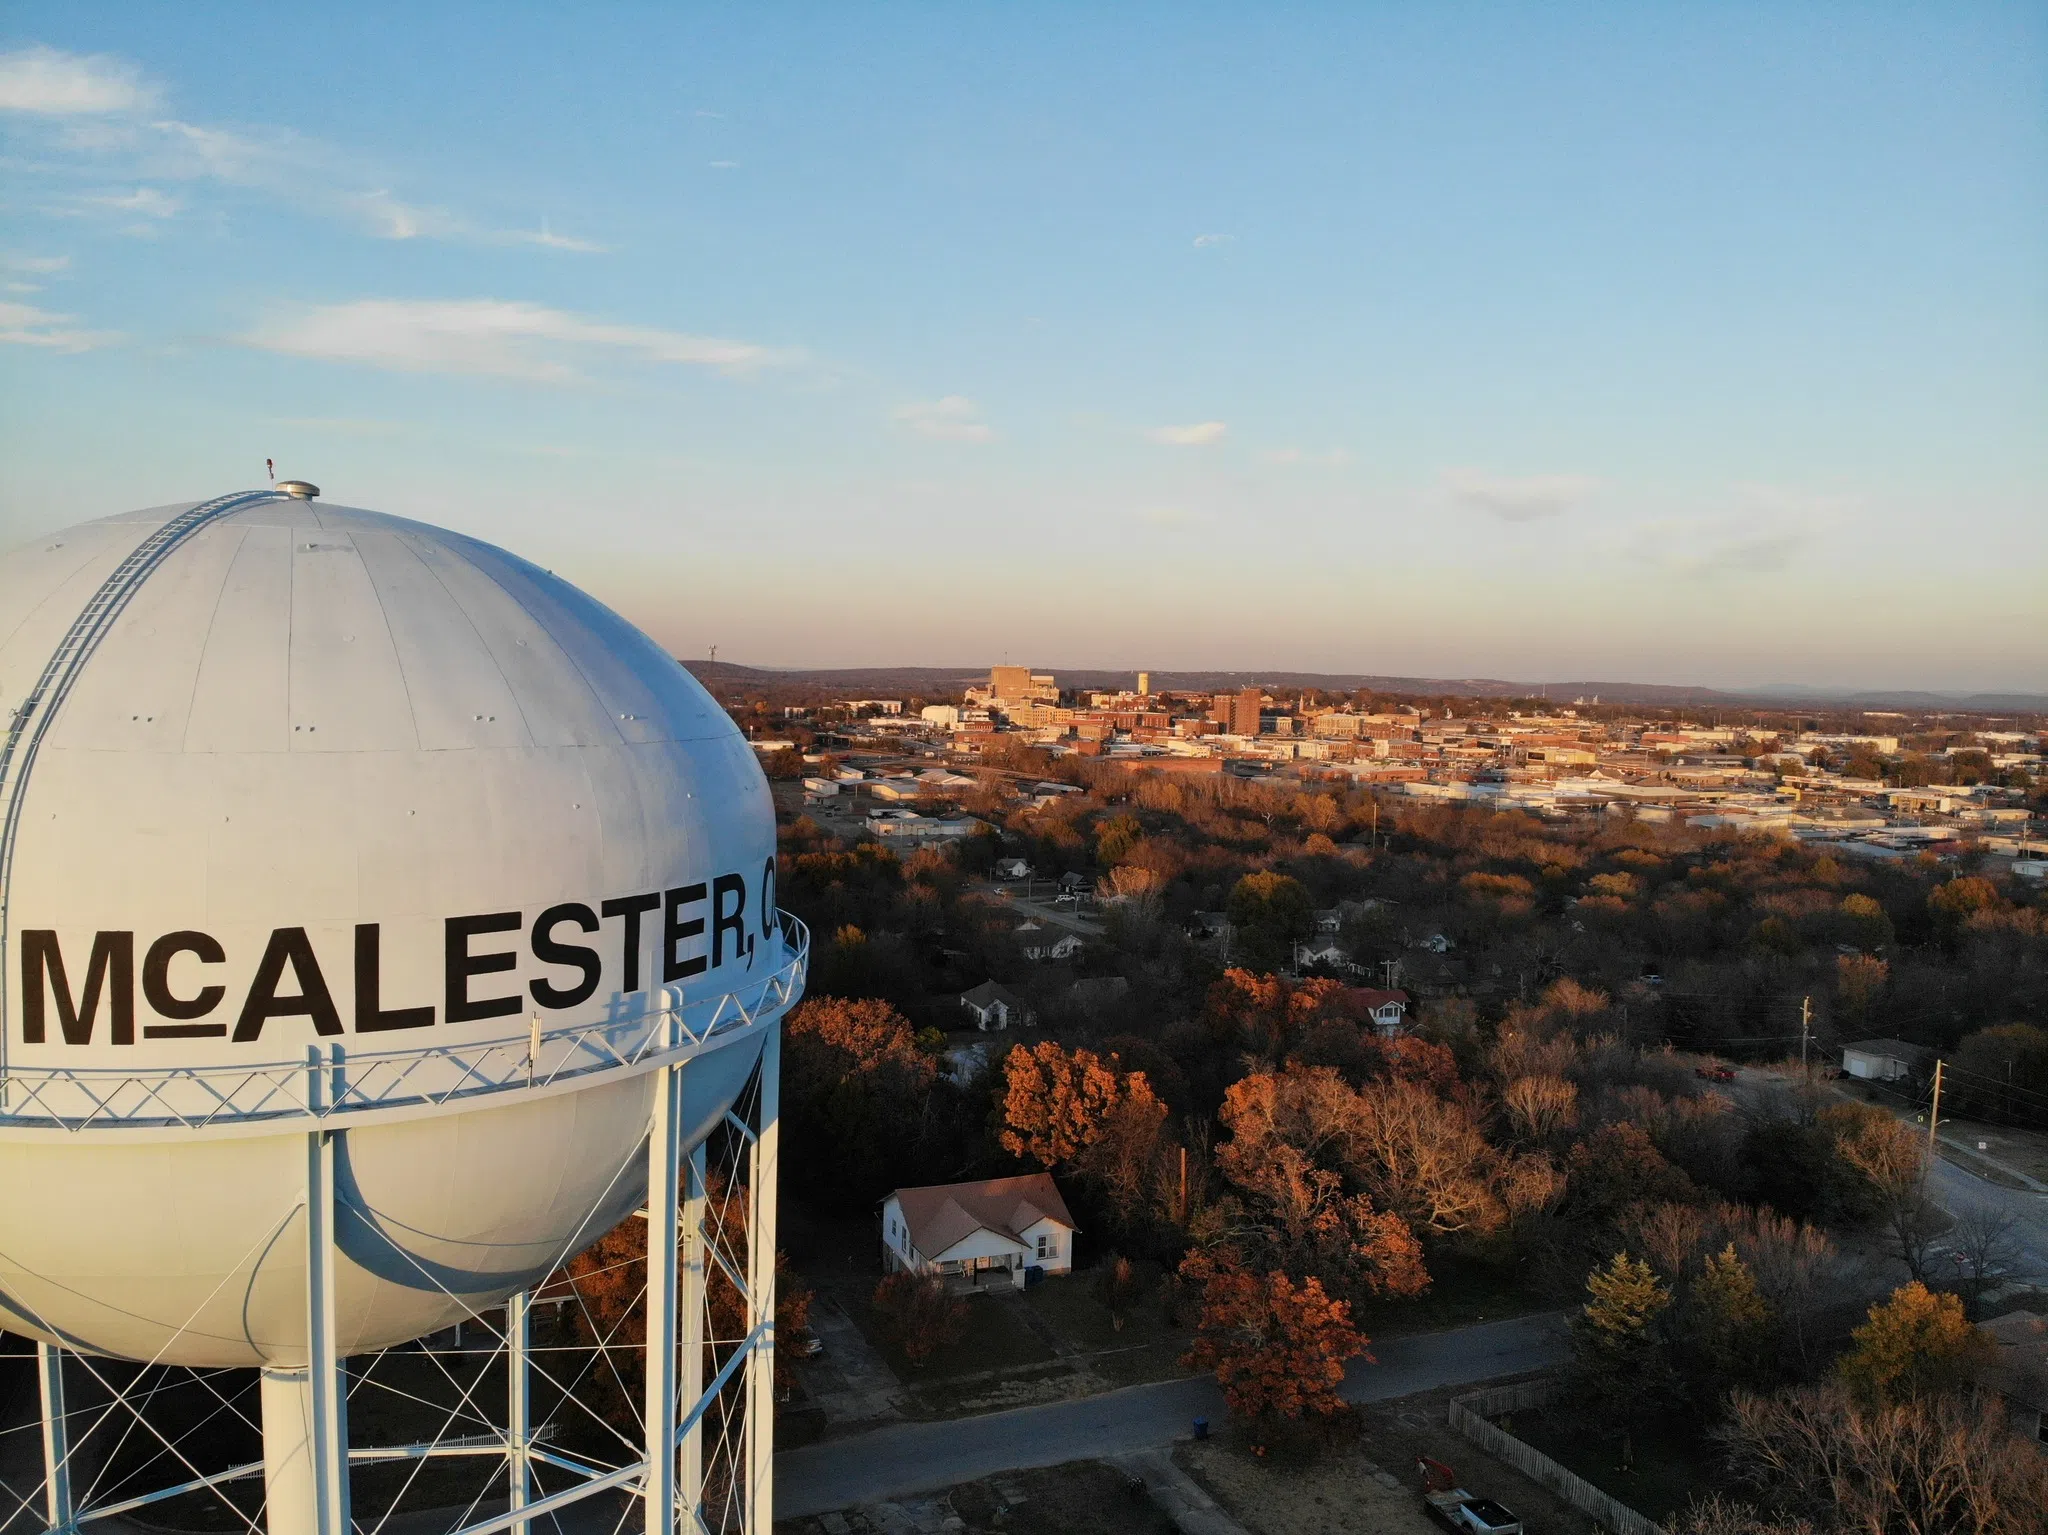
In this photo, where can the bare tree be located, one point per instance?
(1540, 1107)
(1985, 1248)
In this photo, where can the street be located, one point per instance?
(907, 1458)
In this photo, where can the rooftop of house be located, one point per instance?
(1376, 997)
(2019, 1367)
(941, 1215)
(988, 993)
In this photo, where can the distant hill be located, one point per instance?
(894, 681)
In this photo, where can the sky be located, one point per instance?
(1687, 343)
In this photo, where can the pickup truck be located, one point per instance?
(1458, 1510)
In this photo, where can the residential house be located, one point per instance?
(1039, 943)
(996, 1007)
(2018, 1370)
(1321, 951)
(1013, 868)
(979, 1235)
(1098, 994)
(1388, 1009)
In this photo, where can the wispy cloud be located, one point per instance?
(495, 338)
(1329, 458)
(103, 127)
(725, 165)
(1206, 240)
(50, 83)
(1704, 549)
(1199, 434)
(42, 266)
(954, 418)
(26, 325)
(147, 202)
(1517, 498)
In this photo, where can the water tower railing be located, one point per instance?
(637, 1035)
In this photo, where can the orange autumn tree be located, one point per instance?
(1058, 1105)
(1278, 1348)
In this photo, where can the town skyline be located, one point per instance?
(1685, 348)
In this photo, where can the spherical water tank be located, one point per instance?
(320, 821)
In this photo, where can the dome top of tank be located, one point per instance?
(294, 625)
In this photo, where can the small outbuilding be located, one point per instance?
(979, 1235)
(1884, 1060)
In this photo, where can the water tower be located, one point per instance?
(383, 920)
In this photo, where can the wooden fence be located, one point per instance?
(1472, 1416)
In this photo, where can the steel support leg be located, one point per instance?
(664, 1156)
(518, 1405)
(305, 1411)
(690, 1384)
(56, 1438)
(763, 1171)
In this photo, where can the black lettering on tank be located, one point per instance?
(674, 931)
(287, 946)
(733, 921)
(165, 1003)
(372, 1017)
(110, 969)
(461, 965)
(630, 907)
(550, 950)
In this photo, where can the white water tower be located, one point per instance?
(383, 919)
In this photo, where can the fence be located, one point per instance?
(1472, 1415)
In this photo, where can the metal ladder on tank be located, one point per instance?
(33, 715)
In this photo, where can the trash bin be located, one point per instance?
(1201, 1428)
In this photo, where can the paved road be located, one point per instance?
(907, 1458)
(1960, 1191)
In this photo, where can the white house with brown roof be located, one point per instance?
(979, 1234)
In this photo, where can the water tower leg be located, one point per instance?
(305, 1410)
(56, 1437)
(690, 1330)
(519, 1405)
(763, 1172)
(664, 1159)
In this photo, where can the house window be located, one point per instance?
(1048, 1247)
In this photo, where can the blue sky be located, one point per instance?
(1689, 343)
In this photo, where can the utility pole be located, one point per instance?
(1805, 1029)
(1934, 1117)
(1183, 1185)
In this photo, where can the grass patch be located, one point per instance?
(1461, 1293)
(995, 1338)
(1670, 1467)
(1147, 1348)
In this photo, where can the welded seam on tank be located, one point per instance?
(61, 673)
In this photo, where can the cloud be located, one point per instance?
(1199, 434)
(146, 201)
(1206, 240)
(494, 338)
(546, 237)
(952, 419)
(724, 165)
(50, 83)
(26, 325)
(1331, 458)
(1524, 498)
(1704, 549)
(105, 131)
(707, 112)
